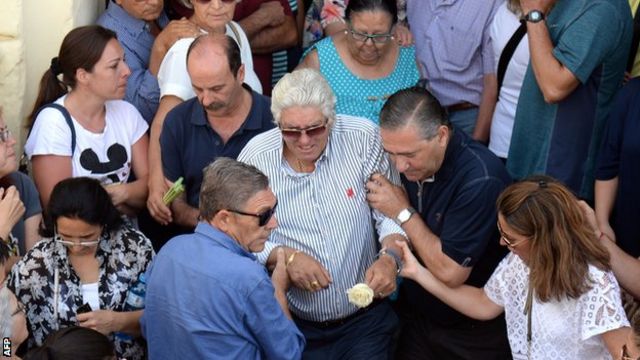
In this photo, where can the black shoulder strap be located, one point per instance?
(67, 118)
(507, 52)
(635, 41)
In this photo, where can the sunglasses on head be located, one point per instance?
(311, 131)
(204, 2)
(263, 217)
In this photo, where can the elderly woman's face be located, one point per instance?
(213, 15)
(304, 131)
(8, 161)
(369, 50)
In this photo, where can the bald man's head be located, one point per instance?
(211, 45)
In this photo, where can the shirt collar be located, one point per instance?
(222, 239)
(457, 142)
(133, 25)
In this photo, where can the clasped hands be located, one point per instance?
(305, 272)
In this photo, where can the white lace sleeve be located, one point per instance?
(601, 307)
(497, 283)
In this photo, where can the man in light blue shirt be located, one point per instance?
(207, 296)
(145, 33)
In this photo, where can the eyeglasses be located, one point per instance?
(79, 243)
(510, 243)
(311, 131)
(204, 2)
(624, 354)
(263, 218)
(20, 309)
(5, 135)
(375, 38)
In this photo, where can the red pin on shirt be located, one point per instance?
(350, 192)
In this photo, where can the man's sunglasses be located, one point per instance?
(263, 218)
(312, 131)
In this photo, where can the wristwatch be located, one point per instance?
(534, 16)
(405, 215)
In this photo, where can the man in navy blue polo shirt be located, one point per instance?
(219, 121)
(452, 182)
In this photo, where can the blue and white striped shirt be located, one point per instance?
(325, 213)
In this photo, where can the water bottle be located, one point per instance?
(136, 295)
(134, 301)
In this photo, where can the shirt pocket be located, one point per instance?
(458, 42)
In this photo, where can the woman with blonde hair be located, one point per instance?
(560, 298)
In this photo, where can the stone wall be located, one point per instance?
(30, 35)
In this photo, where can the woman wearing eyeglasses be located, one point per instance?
(88, 256)
(20, 211)
(556, 288)
(363, 64)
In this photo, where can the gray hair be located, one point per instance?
(304, 87)
(189, 5)
(229, 184)
(6, 320)
(415, 106)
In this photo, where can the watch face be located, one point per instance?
(534, 16)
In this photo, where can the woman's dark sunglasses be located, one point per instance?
(263, 218)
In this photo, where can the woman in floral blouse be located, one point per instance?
(88, 256)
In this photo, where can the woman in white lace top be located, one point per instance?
(560, 298)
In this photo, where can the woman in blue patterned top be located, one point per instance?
(363, 64)
(81, 272)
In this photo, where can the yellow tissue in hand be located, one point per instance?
(360, 295)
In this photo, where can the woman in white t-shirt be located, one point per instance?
(556, 288)
(103, 137)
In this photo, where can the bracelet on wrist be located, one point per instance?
(396, 258)
(291, 257)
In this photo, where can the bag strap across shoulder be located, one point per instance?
(67, 118)
(508, 51)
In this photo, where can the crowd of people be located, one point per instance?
(471, 164)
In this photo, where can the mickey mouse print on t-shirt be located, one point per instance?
(117, 156)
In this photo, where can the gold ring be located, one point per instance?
(315, 284)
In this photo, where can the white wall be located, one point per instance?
(30, 35)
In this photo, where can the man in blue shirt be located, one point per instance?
(207, 296)
(219, 121)
(146, 34)
(453, 183)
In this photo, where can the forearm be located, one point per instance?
(158, 51)
(553, 78)
(469, 300)
(137, 191)
(184, 214)
(276, 38)
(155, 158)
(625, 267)
(128, 322)
(273, 257)
(281, 297)
(486, 108)
(605, 196)
(429, 248)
